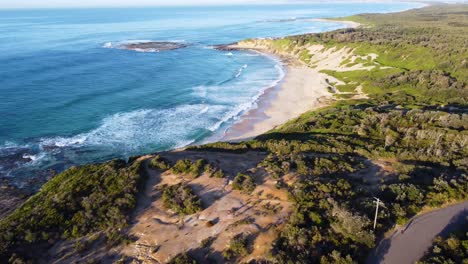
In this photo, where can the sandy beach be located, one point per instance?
(304, 87)
(348, 24)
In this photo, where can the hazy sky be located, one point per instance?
(105, 3)
(75, 3)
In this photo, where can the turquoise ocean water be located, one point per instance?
(67, 97)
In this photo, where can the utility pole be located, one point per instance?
(378, 202)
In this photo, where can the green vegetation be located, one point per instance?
(451, 250)
(415, 120)
(244, 183)
(422, 54)
(75, 203)
(181, 199)
(182, 259)
(328, 219)
(159, 163)
(205, 243)
(238, 247)
(212, 171)
(187, 167)
(218, 174)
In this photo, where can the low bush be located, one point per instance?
(450, 250)
(213, 171)
(159, 163)
(182, 259)
(79, 201)
(238, 247)
(244, 183)
(187, 167)
(181, 199)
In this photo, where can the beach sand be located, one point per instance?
(303, 89)
(348, 24)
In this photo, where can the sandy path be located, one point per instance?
(408, 244)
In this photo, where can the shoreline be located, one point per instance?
(349, 24)
(302, 89)
(278, 104)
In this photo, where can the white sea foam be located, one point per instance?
(35, 158)
(239, 72)
(204, 110)
(200, 91)
(229, 54)
(241, 103)
(233, 114)
(108, 45)
(9, 144)
(64, 141)
(133, 131)
(30, 156)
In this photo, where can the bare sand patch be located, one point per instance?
(161, 234)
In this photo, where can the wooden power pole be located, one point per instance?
(377, 202)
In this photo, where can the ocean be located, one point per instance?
(68, 96)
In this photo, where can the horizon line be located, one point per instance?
(262, 3)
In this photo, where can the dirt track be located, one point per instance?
(408, 244)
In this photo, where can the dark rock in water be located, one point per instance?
(153, 46)
(226, 47)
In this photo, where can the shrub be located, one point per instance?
(237, 248)
(187, 167)
(181, 199)
(213, 172)
(205, 243)
(159, 163)
(182, 258)
(452, 249)
(244, 183)
(77, 202)
(354, 227)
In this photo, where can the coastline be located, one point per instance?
(349, 24)
(302, 89)
(281, 103)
